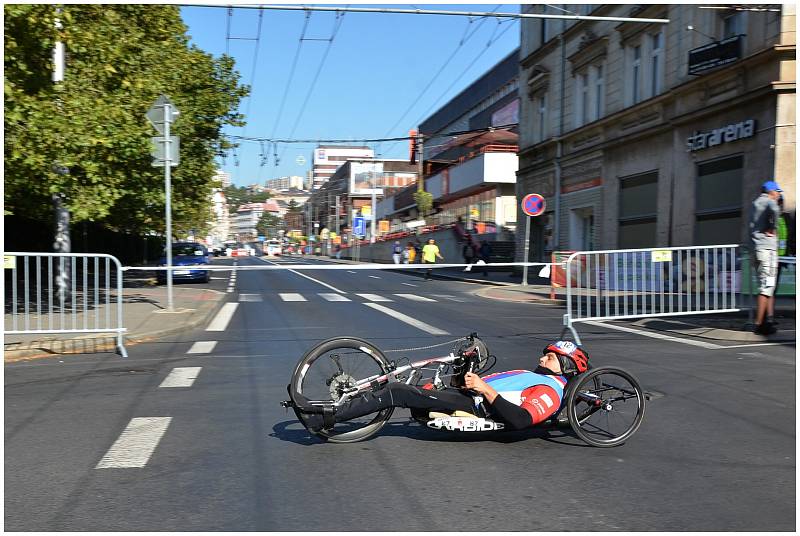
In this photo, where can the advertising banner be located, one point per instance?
(364, 176)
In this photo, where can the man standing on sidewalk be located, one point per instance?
(763, 235)
(429, 254)
(397, 251)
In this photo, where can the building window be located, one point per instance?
(543, 35)
(638, 208)
(599, 92)
(581, 99)
(636, 74)
(718, 202)
(541, 117)
(733, 25)
(656, 63)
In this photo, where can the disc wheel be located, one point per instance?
(605, 406)
(328, 370)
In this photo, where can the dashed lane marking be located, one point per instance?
(375, 297)
(250, 298)
(408, 284)
(407, 319)
(136, 444)
(414, 297)
(181, 377)
(333, 297)
(374, 277)
(223, 317)
(449, 297)
(202, 347)
(291, 296)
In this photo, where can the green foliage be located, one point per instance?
(268, 224)
(120, 58)
(424, 201)
(237, 196)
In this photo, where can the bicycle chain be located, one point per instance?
(424, 347)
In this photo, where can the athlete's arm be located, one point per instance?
(511, 414)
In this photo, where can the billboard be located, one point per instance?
(364, 176)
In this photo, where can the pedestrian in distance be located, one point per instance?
(410, 253)
(397, 252)
(430, 252)
(763, 236)
(468, 252)
(485, 254)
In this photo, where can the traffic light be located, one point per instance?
(412, 147)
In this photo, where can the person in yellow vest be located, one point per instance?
(410, 254)
(430, 252)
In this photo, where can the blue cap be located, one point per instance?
(771, 185)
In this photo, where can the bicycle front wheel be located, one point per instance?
(328, 370)
(605, 406)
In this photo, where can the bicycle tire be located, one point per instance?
(363, 351)
(610, 389)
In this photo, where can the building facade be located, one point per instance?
(327, 159)
(647, 135)
(247, 217)
(285, 183)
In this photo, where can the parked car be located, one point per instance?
(186, 257)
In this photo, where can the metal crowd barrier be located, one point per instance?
(652, 282)
(49, 293)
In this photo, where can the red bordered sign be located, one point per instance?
(533, 205)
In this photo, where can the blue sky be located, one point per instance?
(376, 69)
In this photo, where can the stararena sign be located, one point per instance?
(726, 134)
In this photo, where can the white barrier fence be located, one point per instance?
(54, 293)
(653, 282)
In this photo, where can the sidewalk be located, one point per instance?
(145, 316)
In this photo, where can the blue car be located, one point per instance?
(186, 257)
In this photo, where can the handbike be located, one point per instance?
(604, 405)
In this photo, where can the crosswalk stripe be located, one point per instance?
(224, 316)
(136, 444)
(291, 296)
(407, 319)
(449, 297)
(333, 297)
(181, 377)
(375, 297)
(250, 297)
(414, 297)
(202, 347)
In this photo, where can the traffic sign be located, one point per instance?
(359, 227)
(533, 205)
(159, 151)
(156, 114)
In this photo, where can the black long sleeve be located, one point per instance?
(511, 414)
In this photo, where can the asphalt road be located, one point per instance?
(716, 450)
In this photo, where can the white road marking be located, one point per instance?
(136, 444)
(374, 277)
(407, 319)
(202, 347)
(758, 344)
(229, 290)
(449, 297)
(307, 277)
(181, 377)
(250, 297)
(291, 296)
(224, 316)
(414, 297)
(374, 297)
(690, 342)
(351, 272)
(333, 297)
(408, 284)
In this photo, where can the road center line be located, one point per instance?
(223, 317)
(407, 319)
(202, 347)
(181, 377)
(136, 444)
(307, 277)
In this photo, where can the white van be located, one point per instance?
(274, 248)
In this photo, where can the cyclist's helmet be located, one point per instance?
(573, 359)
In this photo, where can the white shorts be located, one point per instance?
(767, 267)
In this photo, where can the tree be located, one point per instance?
(268, 224)
(119, 59)
(237, 196)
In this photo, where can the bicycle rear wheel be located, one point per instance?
(606, 406)
(326, 371)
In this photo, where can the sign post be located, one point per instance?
(161, 115)
(532, 205)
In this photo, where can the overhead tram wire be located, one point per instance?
(337, 24)
(289, 81)
(464, 39)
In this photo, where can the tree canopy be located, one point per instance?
(119, 59)
(237, 196)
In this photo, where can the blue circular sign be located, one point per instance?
(533, 205)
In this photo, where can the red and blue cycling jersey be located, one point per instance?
(538, 394)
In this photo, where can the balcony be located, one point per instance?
(487, 168)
